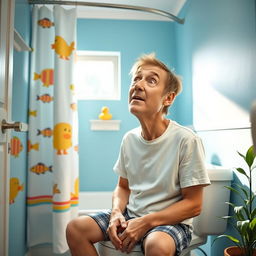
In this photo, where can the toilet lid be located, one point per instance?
(109, 244)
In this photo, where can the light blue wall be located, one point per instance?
(229, 26)
(98, 150)
(17, 221)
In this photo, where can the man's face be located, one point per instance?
(146, 95)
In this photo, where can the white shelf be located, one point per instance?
(19, 43)
(106, 125)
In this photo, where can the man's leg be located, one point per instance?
(159, 244)
(82, 233)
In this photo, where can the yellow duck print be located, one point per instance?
(62, 48)
(62, 138)
(105, 115)
(76, 187)
(15, 187)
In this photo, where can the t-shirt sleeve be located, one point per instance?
(192, 170)
(119, 166)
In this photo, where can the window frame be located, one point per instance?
(115, 57)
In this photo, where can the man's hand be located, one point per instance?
(135, 230)
(117, 225)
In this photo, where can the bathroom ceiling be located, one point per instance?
(171, 6)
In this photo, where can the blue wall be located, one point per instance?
(17, 217)
(98, 150)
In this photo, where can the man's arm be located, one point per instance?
(117, 221)
(189, 206)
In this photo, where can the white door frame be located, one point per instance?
(6, 69)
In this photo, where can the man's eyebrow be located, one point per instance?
(151, 73)
(154, 73)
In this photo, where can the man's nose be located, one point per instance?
(139, 85)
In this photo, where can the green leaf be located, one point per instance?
(243, 226)
(239, 212)
(252, 225)
(250, 156)
(231, 204)
(244, 190)
(233, 239)
(253, 214)
(241, 155)
(233, 190)
(242, 171)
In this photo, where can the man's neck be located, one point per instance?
(152, 129)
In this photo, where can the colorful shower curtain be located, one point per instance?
(53, 183)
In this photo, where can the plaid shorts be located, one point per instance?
(181, 233)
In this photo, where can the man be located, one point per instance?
(161, 175)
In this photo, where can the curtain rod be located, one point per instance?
(108, 5)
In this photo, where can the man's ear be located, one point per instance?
(169, 98)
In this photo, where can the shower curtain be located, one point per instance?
(53, 182)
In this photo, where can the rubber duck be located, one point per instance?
(105, 115)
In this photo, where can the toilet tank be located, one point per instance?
(214, 206)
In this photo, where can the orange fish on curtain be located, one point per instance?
(45, 98)
(47, 132)
(15, 146)
(45, 23)
(62, 48)
(62, 138)
(46, 76)
(40, 168)
(33, 146)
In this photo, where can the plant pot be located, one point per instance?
(235, 251)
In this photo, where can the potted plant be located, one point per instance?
(243, 218)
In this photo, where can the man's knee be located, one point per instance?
(82, 229)
(159, 243)
(72, 230)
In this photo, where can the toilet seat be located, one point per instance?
(106, 248)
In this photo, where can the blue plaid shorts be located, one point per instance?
(181, 233)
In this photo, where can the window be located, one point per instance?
(97, 75)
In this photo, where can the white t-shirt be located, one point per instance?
(157, 170)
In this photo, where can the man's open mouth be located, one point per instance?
(136, 97)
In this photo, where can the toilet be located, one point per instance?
(207, 223)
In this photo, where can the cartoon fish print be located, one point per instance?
(15, 188)
(62, 48)
(55, 189)
(46, 76)
(47, 132)
(15, 146)
(62, 138)
(76, 189)
(45, 23)
(40, 168)
(45, 98)
(32, 113)
(73, 106)
(32, 146)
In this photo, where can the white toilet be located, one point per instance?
(207, 223)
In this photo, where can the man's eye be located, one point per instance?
(152, 80)
(136, 79)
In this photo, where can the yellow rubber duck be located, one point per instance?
(15, 187)
(105, 115)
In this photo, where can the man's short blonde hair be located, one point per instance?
(173, 83)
